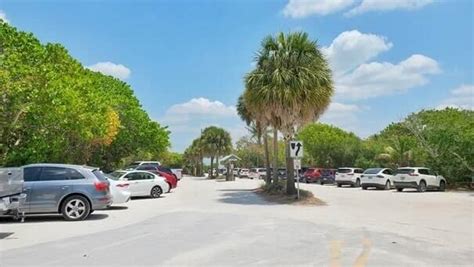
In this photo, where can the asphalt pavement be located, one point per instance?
(212, 223)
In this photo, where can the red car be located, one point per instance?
(312, 175)
(169, 176)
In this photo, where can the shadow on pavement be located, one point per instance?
(236, 190)
(118, 208)
(244, 197)
(4, 235)
(47, 218)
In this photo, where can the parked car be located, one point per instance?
(312, 175)
(236, 171)
(136, 164)
(348, 176)
(328, 176)
(178, 173)
(257, 173)
(380, 178)
(11, 187)
(119, 191)
(141, 183)
(419, 178)
(244, 173)
(71, 190)
(167, 173)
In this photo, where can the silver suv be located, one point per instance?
(71, 190)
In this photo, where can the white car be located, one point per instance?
(141, 183)
(348, 176)
(236, 171)
(419, 178)
(119, 191)
(380, 178)
(257, 173)
(244, 173)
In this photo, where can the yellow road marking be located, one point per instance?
(335, 253)
(361, 261)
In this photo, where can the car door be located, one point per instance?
(146, 182)
(388, 173)
(425, 175)
(49, 190)
(433, 178)
(30, 176)
(134, 185)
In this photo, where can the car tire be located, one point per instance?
(75, 208)
(421, 186)
(442, 186)
(156, 192)
(364, 187)
(338, 184)
(387, 185)
(399, 189)
(357, 183)
(169, 185)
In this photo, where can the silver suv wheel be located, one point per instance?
(75, 208)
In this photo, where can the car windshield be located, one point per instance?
(405, 171)
(326, 172)
(344, 170)
(115, 175)
(372, 171)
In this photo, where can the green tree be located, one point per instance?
(257, 128)
(216, 142)
(328, 146)
(291, 85)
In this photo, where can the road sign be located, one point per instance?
(296, 149)
(297, 164)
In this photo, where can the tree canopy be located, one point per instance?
(53, 109)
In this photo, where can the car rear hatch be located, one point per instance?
(405, 175)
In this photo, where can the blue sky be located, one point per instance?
(186, 59)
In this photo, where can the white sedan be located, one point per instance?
(119, 191)
(380, 178)
(141, 183)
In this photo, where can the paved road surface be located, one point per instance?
(209, 223)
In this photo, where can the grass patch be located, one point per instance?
(277, 193)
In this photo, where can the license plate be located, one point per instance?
(402, 178)
(342, 175)
(370, 177)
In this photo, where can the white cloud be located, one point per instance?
(352, 48)
(3, 16)
(342, 115)
(461, 97)
(377, 79)
(185, 120)
(116, 70)
(202, 106)
(386, 5)
(304, 8)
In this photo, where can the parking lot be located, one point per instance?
(208, 222)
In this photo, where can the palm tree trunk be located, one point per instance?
(290, 170)
(211, 174)
(268, 179)
(275, 156)
(217, 165)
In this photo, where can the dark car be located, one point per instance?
(328, 176)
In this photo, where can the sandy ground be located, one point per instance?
(216, 223)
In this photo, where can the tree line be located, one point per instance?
(442, 140)
(213, 143)
(53, 109)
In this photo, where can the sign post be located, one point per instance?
(296, 152)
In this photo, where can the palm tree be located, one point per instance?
(215, 142)
(258, 128)
(290, 86)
